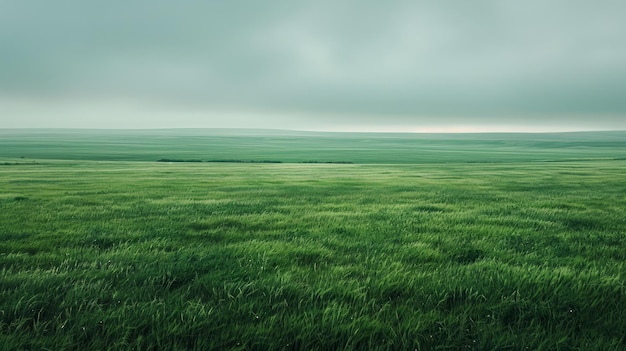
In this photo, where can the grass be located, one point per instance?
(456, 256)
(296, 147)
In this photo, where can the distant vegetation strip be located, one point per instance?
(251, 161)
(18, 163)
(300, 147)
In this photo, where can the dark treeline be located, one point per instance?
(19, 163)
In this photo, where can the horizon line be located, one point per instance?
(428, 130)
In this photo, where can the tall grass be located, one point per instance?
(121, 256)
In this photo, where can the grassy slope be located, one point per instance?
(151, 145)
(135, 255)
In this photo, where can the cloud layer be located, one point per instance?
(317, 65)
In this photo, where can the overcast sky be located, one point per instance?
(440, 65)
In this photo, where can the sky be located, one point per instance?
(406, 66)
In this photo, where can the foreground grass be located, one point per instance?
(97, 255)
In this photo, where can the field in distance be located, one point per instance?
(448, 254)
(291, 146)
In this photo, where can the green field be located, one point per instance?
(427, 242)
(288, 146)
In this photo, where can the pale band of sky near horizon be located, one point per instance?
(423, 66)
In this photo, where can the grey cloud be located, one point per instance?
(398, 59)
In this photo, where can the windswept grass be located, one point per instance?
(121, 256)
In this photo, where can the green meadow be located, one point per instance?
(295, 147)
(343, 242)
